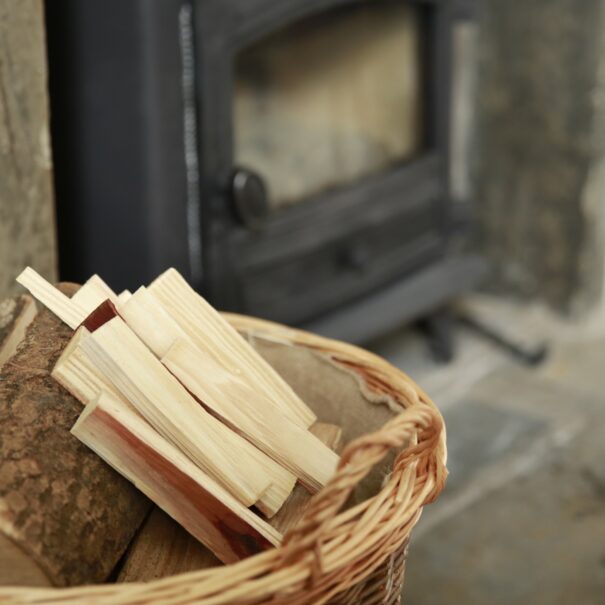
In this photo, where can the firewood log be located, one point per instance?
(65, 516)
(164, 548)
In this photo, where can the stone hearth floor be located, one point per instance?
(522, 519)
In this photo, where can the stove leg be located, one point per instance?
(437, 327)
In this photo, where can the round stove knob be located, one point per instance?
(250, 199)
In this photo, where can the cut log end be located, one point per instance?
(16, 314)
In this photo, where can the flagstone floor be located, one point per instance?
(522, 519)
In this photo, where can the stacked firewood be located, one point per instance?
(178, 403)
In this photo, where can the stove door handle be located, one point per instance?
(250, 199)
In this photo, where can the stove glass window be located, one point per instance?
(331, 99)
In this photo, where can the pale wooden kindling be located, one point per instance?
(246, 411)
(63, 307)
(213, 334)
(124, 295)
(78, 374)
(148, 319)
(174, 413)
(93, 293)
(163, 473)
(159, 331)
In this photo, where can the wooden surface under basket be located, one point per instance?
(351, 544)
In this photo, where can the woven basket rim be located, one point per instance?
(328, 551)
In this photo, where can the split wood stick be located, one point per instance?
(66, 516)
(123, 296)
(93, 293)
(70, 311)
(148, 319)
(159, 331)
(212, 515)
(294, 508)
(213, 334)
(16, 314)
(101, 315)
(243, 409)
(161, 399)
(76, 372)
(63, 307)
(163, 548)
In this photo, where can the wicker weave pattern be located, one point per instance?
(350, 557)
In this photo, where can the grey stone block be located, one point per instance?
(540, 128)
(27, 225)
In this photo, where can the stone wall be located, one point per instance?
(540, 179)
(27, 232)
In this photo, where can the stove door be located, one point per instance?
(331, 99)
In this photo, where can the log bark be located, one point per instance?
(65, 516)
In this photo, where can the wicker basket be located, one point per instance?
(350, 546)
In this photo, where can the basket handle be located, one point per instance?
(420, 427)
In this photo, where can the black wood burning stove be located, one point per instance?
(291, 158)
